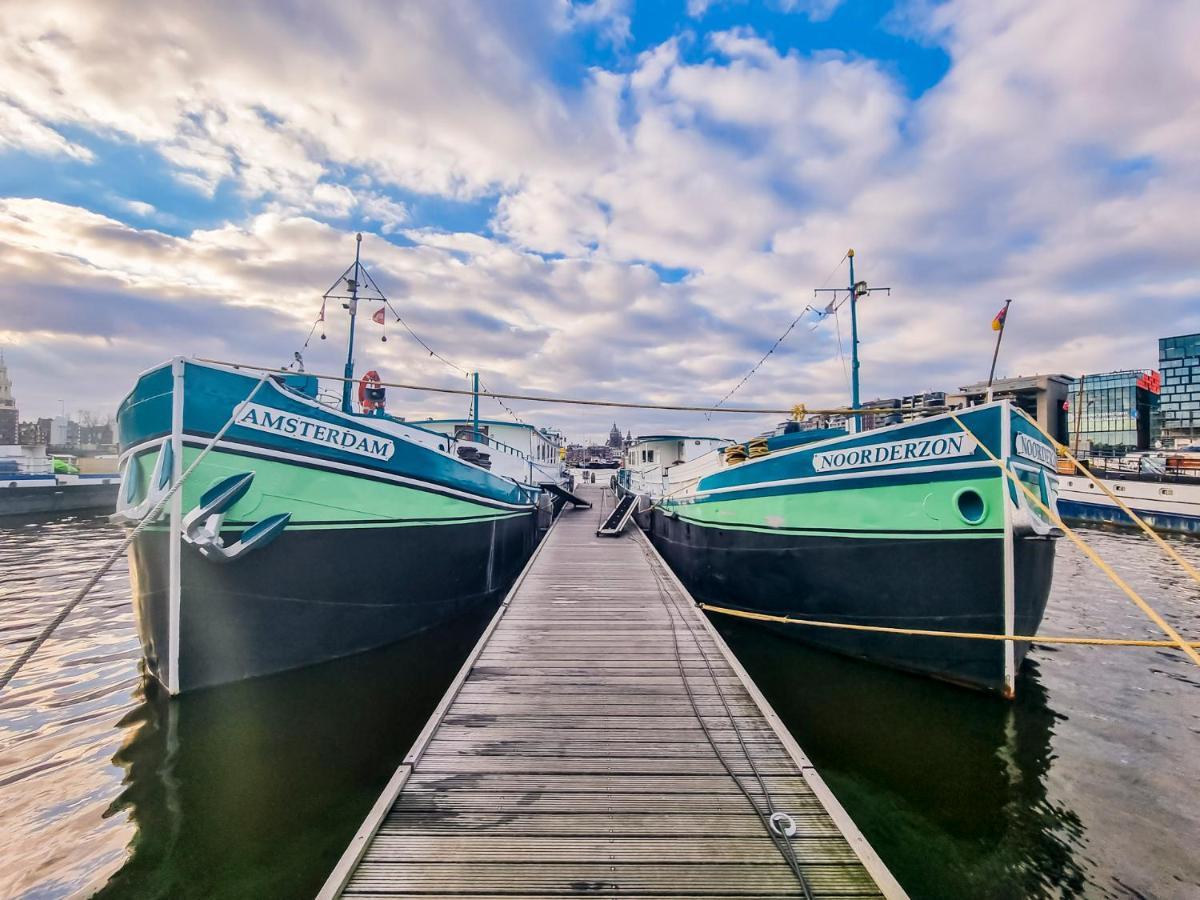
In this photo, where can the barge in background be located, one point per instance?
(33, 482)
(1162, 487)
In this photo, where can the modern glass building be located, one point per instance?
(1179, 361)
(1113, 413)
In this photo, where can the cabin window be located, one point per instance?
(649, 456)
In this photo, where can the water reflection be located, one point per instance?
(949, 785)
(254, 789)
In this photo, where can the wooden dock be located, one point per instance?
(601, 739)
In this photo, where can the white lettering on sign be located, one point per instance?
(313, 431)
(938, 446)
(1036, 450)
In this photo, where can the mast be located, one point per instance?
(352, 283)
(854, 290)
(854, 398)
(475, 406)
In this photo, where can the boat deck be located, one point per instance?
(601, 739)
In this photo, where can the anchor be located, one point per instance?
(202, 526)
(128, 512)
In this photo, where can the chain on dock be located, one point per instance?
(773, 819)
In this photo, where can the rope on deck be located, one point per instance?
(150, 517)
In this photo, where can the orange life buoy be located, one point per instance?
(370, 394)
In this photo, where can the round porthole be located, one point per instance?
(970, 505)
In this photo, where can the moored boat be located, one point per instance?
(913, 526)
(1162, 488)
(308, 531)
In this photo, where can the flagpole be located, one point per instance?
(1003, 317)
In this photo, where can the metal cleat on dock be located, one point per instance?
(202, 526)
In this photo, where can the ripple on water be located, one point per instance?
(1085, 786)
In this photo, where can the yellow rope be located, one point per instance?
(1120, 582)
(1167, 548)
(922, 632)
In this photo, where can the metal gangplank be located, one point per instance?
(616, 521)
(559, 491)
(601, 739)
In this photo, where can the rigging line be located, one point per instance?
(572, 401)
(439, 357)
(837, 324)
(781, 339)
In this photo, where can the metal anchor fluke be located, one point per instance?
(202, 526)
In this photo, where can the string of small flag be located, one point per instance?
(821, 315)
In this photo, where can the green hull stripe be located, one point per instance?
(318, 498)
(900, 511)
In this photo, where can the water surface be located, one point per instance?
(1087, 785)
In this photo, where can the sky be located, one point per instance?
(600, 199)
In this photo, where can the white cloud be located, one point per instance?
(1055, 163)
(21, 131)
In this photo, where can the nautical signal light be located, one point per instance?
(861, 289)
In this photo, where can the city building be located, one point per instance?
(1114, 413)
(36, 432)
(1179, 403)
(9, 430)
(1043, 397)
(614, 437)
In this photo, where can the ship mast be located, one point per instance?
(351, 286)
(854, 290)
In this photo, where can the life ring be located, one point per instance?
(370, 392)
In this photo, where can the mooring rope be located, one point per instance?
(782, 841)
(924, 632)
(150, 517)
(1138, 520)
(1176, 639)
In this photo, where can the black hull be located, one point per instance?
(942, 584)
(29, 501)
(317, 595)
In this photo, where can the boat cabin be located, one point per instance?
(654, 462)
(510, 449)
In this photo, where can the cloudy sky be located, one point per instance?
(598, 198)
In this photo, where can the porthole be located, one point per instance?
(971, 506)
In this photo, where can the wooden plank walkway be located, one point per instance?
(601, 739)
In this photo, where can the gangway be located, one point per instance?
(559, 491)
(619, 517)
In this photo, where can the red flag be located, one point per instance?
(998, 322)
(377, 318)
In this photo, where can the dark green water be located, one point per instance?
(1088, 785)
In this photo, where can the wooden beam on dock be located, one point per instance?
(602, 739)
